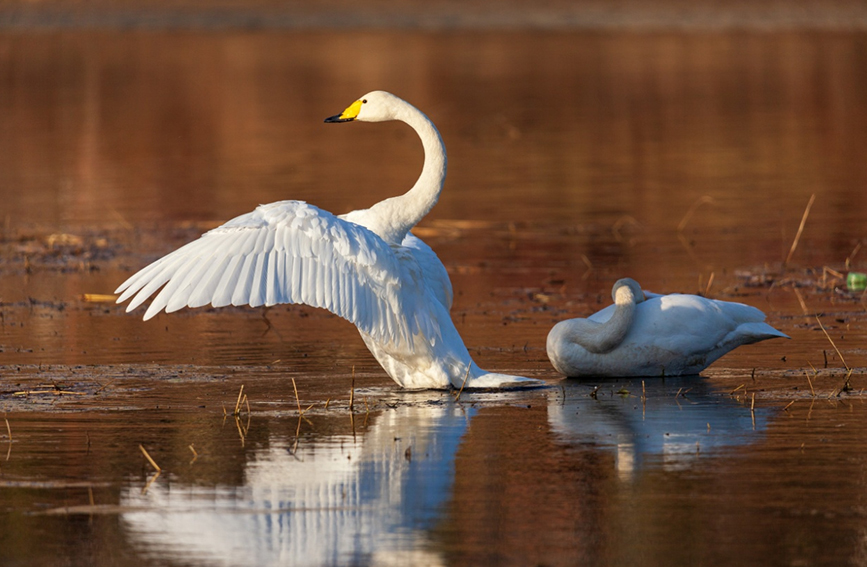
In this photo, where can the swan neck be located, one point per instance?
(603, 337)
(403, 212)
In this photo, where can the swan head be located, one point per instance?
(627, 290)
(375, 106)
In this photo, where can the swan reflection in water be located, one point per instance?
(673, 422)
(337, 500)
(340, 500)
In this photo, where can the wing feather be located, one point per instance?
(291, 252)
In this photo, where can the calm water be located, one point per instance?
(574, 158)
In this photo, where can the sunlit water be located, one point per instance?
(682, 160)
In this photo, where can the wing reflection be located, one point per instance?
(335, 501)
(675, 420)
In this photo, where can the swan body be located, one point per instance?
(646, 334)
(365, 266)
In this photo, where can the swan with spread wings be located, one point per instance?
(365, 266)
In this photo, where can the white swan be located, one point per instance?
(364, 266)
(654, 335)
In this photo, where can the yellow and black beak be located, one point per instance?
(347, 115)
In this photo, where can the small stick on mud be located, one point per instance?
(464, 383)
(150, 460)
(800, 230)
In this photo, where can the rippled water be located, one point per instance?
(685, 160)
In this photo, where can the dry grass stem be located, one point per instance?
(800, 230)
(54, 392)
(238, 403)
(788, 405)
(195, 454)
(736, 389)
(832, 344)
(297, 399)
(852, 255)
(464, 383)
(810, 382)
(705, 200)
(150, 460)
(352, 391)
(328, 401)
(589, 265)
(8, 429)
(801, 301)
(709, 283)
(98, 298)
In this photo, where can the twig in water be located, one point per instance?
(352, 390)
(788, 405)
(195, 454)
(150, 460)
(800, 230)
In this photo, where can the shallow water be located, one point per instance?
(574, 159)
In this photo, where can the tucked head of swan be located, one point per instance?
(376, 106)
(627, 290)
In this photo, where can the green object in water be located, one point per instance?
(856, 281)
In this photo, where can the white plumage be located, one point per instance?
(646, 334)
(364, 266)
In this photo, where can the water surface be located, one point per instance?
(684, 160)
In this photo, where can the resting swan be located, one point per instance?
(365, 266)
(646, 334)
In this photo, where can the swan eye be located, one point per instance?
(364, 101)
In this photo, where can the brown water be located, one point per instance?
(573, 159)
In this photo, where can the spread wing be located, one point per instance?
(290, 252)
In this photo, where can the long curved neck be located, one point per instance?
(600, 338)
(398, 215)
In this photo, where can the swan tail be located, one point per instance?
(749, 333)
(492, 380)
